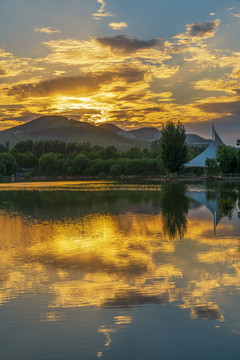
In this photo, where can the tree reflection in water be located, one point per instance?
(108, 248)
(174, 209)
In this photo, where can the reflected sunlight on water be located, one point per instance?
(117, 250)
(77, 185)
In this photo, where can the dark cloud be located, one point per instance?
(133, 97)
(126, 117)
(79, 85)
(237, 91)
(136, 298)
(24, 117)
(206, 312)
(82, 85)
(232, 107)
(156, 109)
(90, 263)
(130, 74)
(119, 88)
(202, 29)
(2, 72)
(12, 106)
(84, 111)
(122, 44)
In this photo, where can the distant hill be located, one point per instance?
(146, 134)
(196, 140)
(149, 134)
(58, 127)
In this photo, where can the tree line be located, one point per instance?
(55, 157)
(165, 156)
(227, 161)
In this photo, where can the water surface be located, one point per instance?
(119, 271)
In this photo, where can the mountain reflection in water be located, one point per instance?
(116, 248)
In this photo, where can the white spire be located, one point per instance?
(210, 152)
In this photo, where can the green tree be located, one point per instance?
(24, 160)
(80, 164)
(96, 167)
(118, 168)
(155, 145)
(238, 159)
(28, 160)
(227, 158)
(133, 167)
(7, 146)
(192, 153)
(24, 146)
(134, 153)
(211, 167)
(2, 148)
(238, 156)
(49, 163)
(8, 164)
(173, 148)
(109, 152)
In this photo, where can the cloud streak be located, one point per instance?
(118, 25)
(101, 12)
(47, 30)
(224, 107)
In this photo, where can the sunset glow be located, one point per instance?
(105, 249)
(99, 66)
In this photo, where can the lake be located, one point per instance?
(113, 270)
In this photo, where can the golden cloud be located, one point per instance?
(118, 25)
(223, 85)
(47, 30)
(101, 12)
(2, 72)
(123, 79)
(80, 85)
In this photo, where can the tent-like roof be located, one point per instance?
(209, 153)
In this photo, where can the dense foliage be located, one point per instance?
(227, 162)
(173, 148)
(167, 155)
(212, 167)
(8, 164)
(229, 159)
(54, 157)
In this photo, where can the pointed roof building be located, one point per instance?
(209, 153)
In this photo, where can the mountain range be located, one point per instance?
(68, 130)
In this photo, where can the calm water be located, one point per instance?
(118, 271)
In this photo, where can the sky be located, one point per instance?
(133, 63)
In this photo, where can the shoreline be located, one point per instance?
(20, 179)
